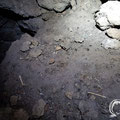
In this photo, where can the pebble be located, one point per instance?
(38, 108)
(78, 41)
(35, 43)
(65, 45)
(69, 95)
(58, 48)
(52, 61)
(77, 86)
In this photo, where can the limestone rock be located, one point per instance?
(108, 15)
(113, 33)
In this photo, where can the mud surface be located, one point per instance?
(64, 78)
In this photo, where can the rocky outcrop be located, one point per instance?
(34, 8)
(108, 15)
(23, 8)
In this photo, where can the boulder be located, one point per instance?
(108, 15)
(56, 5)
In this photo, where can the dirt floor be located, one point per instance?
(70, 70)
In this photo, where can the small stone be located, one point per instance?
(35, 52)
(113, 33)
(38, 108)
(52, 61)
(35, 42)
(20, 114)
(78, 41)
(13, 100)
(32, 46)
(65, 45)
(58, 48)
(77, 85)
(70, 29)
(69, 95)
(111, 44)
(25, 46)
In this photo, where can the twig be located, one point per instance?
(97, 94)
(20, 78)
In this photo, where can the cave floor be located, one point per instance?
(74, 75)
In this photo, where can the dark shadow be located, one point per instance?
(103, 1)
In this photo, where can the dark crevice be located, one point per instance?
(32, 33)
(104, 1)
(10, 31)
(11, 15)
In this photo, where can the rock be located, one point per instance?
(32, 25)
(77, 85)
(111, 44)
(46, 16)
(113, 33)
(58, 48)
(24, 8)
(20, 114)
(73, 3)
(35, 52)
(78, 40)
(66, 45)
(52, 61)
(38, 108)
(34, 42)
(25, 46)
(58, 5)
(70, 29)
(69, 95)
(13, 100)
(108, 15)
